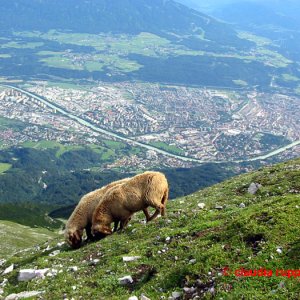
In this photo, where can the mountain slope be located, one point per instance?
(118, 16)
(188, 251)
(15, 237)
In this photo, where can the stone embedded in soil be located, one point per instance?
(133, 298)
(242, 205)
(130, 258)
(2, 262)
(201, 205)
(24, 295)
(253, 188)
(143, 297)
(8, 270)
(176, 295)
(54, 253)
(125, 280)
(28, 274)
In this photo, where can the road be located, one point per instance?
(139, 144)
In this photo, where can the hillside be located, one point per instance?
(185, 254)
(16, 237)
(166, 18)
(59, 176)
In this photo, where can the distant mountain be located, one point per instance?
(118, 16)
(256, 14)
(147, 40)
(276, 20)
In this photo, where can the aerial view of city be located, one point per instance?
(204, 125)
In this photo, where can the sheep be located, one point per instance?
(120, 202)
(81, 218)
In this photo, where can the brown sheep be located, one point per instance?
(81, 217)
(120, 202)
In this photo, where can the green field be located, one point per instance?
(61, 149)
(22, 45)
(164, 146)
(4, 167)
(111, 52)
(288, 77)
(240, 82)
(105, 153)
(5, 56)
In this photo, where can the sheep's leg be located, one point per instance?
(124, 223)
(164, 202)
(156, 213)
(116, 224)
(88, 230)
(145, 210)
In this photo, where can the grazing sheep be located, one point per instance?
(81, 217)
(120, 202)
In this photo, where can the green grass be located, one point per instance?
(106, 153)
(4, 167)
(240, 82)
(5, 56)
(61, 149)
(289, 77)
(190, 247)
(22, 45)
(16, 237)
(114, 144)
(61, 62)
(164, 146)
(258, 40)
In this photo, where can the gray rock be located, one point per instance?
(254, 187)
(54, 253)
(133, 298)
(242, 205)
(8, 270)
(190, 290)
(143, 297)
(24, 295)
(176, 295)
(219, 207)
(201, 205)
(2, 262)
(73, 269)
(94, 262)
(4, 282)
(192, 261)
(125, 280)
(1, 291)
(28, 274)
(130, 258)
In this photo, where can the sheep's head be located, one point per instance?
(73, 238)
(100, 231)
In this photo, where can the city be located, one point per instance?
(199, 123)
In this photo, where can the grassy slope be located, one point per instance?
(202, 243)
(15, 237)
